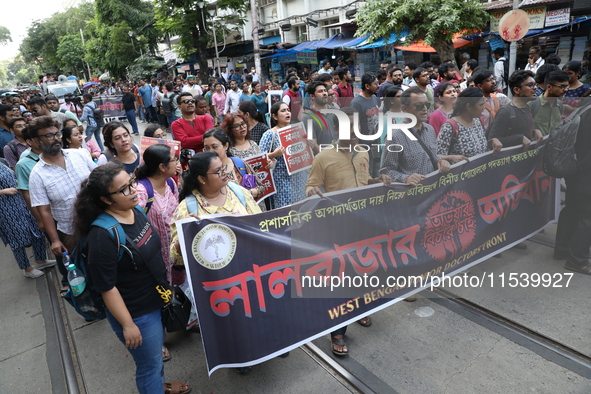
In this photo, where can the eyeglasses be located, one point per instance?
(531, 85)
(420, 106)
(187, 101)
(239, 126)
(52, 136)
(126, 190)
(220, 171)
(563, 87)
(210, 148)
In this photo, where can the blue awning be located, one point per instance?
(337, 41)
(281, 53)
(381, 42)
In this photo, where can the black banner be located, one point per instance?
(267, 283)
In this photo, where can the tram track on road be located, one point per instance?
(543, 345)
(546, 347)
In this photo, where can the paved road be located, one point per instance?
(429, 346)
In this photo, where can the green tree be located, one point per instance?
(193, 24)
(26, 75)
(434, 21)
(43, 36)
(4, 36)
(70, 52)
(143, 67)
(110, 47)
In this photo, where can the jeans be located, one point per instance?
(149, 373)
(131, 119)
(141, 112)
(96, 131)
(151, 115)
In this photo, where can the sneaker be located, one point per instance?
(47, 264)
(33, 274)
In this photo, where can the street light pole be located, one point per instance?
(87, 65)
(255, 37)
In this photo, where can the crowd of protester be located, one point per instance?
(61, 170)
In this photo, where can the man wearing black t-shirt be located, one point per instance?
(514, 125)
(129, 105)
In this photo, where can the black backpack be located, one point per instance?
(560, 159)
(78, 258)
(168, 104)
(98, 115)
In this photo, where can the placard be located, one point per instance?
(298, 154)
(259, 165)
(146, 142)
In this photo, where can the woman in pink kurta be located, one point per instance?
(156, 172)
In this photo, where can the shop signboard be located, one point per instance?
(557, 17)
(536, 15)
(307, 57)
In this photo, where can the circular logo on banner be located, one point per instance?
(214, 246)
(514, 25)
(450, 226)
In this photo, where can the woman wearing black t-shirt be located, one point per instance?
(128, 285)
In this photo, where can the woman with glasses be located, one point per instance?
(463, 135)
(236, 127)
(207, 180)
(290, 188)
(119, 147)
(155, 131)
(127, 284)
(218, 141)
(255, 121)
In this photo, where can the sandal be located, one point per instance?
(165, 353)
(176, 388)
(339, 346)
(365, 322)
(64, 290)
(582, 269)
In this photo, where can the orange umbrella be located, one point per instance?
(420, 46)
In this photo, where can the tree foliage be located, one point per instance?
(43, 37)
(194, 25)
(143, 68)
(4, 35)
(434, 21)
(105, 25)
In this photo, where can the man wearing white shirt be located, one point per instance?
(192, 87)
(232, 98)
(534, 61)
(255, 75)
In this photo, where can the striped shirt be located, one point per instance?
(52, 185)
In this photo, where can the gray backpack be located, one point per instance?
(560, 159)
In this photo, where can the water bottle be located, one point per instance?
(78, 285)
